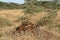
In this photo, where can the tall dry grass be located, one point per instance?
(7, 32)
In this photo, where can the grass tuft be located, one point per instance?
(4, 22)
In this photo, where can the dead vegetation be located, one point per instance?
(32, 32)
(34, 21)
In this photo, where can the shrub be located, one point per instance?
(48, 19)
(52, 13)
(44, 21)
(58, 6)
(32, 9)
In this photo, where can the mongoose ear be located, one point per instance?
(17, 28)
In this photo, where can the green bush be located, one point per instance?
(58, 6)
(4, 22)
(32, 9)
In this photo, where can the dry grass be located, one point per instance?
(7, 32)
